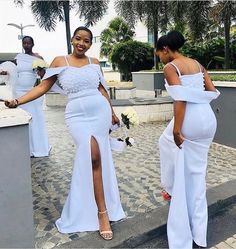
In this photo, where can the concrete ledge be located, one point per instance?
(148, 109)
(124, 92)
(143, 227)
(13, 117)
(225, 83)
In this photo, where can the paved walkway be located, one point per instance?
(137, 171)
(229, 243)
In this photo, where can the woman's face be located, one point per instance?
(27, 44)
(81, 42)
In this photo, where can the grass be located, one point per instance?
(223, 77)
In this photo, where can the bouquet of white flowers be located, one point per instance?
(38, 65)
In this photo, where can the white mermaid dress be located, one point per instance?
(39, 146)
(87, 115)
(183, 171)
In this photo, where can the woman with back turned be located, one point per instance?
(184, 144)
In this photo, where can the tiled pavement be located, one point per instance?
(137, 171)
(229, 243)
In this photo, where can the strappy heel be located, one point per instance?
(106, 235)
(165, 195)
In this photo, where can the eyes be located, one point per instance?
(27, 44)
(85, 40)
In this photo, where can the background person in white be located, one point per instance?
(25, 81)
(185, 143)
(94, 198)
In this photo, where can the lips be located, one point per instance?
(80, 49)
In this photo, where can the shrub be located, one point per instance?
(132, 56)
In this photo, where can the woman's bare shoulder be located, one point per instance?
(58, 61)
(94, 60)
(38, 56)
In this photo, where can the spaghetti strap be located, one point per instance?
(67, 63)
(200, 69)
(89, 60)
(177, 69)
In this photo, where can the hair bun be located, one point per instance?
(175, 40)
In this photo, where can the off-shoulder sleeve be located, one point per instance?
(101, 77)
(189, 94)
(53, 71)
(56, 86)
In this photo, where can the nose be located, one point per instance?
(81, 42)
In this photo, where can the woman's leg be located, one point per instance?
(98, 190)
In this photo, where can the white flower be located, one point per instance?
(133, 120)
(131, 140)
(39, 63)
(128, 110)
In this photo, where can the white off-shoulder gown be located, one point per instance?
(183, 171)
(87, 115)
(26, 78)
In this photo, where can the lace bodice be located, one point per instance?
(77, 79)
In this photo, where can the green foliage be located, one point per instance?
(132, 56)
(209, 53)
(117, 31)
(125, 120)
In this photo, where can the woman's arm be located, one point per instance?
(36, 92)
(115, 119)
(179, 106)
(179, 112)
(209, 86)
(33, 94)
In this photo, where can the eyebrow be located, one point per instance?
(78, 36)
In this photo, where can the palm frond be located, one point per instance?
(47, 13)
(91, 11)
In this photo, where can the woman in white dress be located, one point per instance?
(39, 146)
(94, 198)
(185, 143)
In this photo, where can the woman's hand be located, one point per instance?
(178, 138)
(11, 103)
(115, 119)
(3, 72)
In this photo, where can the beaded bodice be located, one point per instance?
(76, 79)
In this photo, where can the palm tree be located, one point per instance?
(224, 12)
(190, 17)
(117, 31)
(48, 13)
(152, 13)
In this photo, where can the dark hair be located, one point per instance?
(174, 40)
(85, 29)
(28, 37)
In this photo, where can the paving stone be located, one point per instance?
(223, 245)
